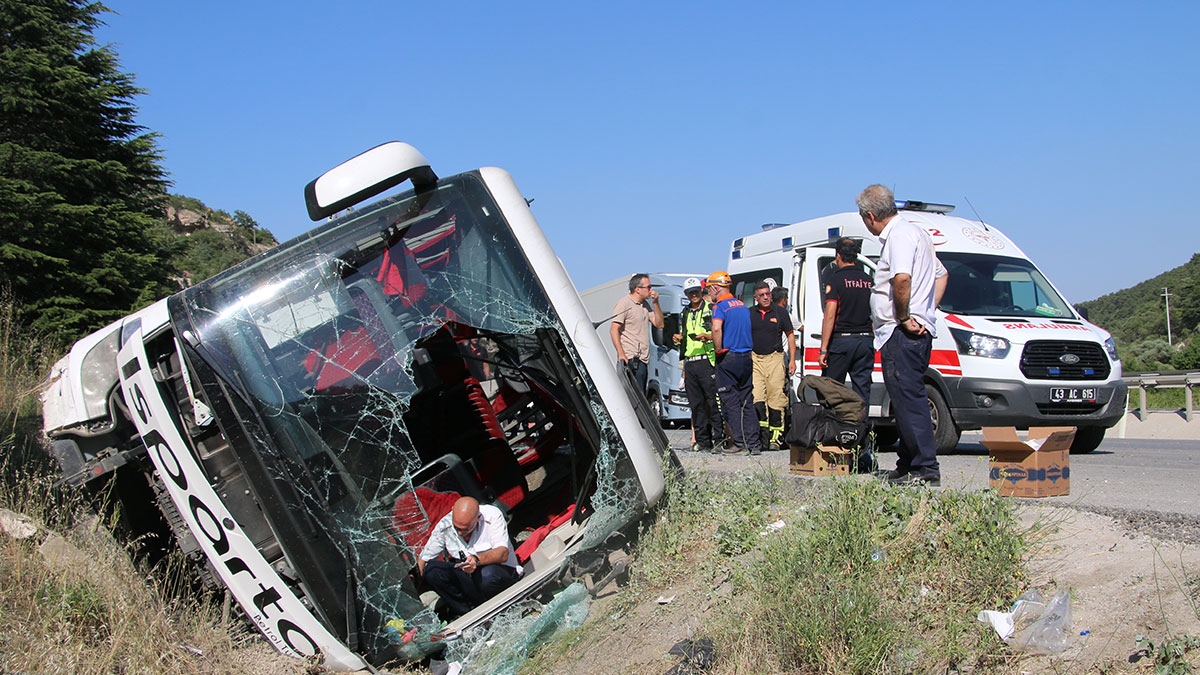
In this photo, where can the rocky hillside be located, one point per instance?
(210, 240)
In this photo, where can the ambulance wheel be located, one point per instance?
(945, 433)
(1087, 439)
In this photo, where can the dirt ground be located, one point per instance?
(1123, 583)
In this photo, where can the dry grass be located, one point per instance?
(86, 608)
(71, 601)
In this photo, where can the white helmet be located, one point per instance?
(692, 284)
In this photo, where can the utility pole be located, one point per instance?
(1167, 296)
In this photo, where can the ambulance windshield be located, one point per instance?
(999, 286)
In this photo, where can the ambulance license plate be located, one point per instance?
(1072, 395)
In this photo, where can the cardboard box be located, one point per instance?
(823, 460)
(1039, 466)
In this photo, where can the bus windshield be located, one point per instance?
(999, 286)
(388, 363)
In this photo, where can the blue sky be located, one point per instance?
(652, 135)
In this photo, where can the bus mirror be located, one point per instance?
(366, 175)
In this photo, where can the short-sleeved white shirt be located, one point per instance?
(489, 534)
(907, 249)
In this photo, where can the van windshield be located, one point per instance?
(999, 286)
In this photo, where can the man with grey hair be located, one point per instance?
(909, 283)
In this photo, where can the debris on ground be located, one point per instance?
(1034, 626)
(697, 656)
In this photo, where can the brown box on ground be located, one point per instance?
(1039, 466)
(823, 460)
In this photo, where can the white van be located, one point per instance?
(667, 398)
(304, 419)
(1010, 351)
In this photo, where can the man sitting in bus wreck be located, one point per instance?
(480, 560)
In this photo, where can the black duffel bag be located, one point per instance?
(812, 423)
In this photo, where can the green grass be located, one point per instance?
(870, 578)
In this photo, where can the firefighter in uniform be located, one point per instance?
(698, 356)
(768, 326)
(846, 332)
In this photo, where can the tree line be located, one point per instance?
(83, 191)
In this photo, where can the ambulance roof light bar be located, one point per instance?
(928, 207)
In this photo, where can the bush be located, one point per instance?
(1188, 358)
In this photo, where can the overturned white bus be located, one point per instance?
(303, 419)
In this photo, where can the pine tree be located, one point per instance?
(80, 181)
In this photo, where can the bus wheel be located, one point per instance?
(945, 433)
(1087, 439)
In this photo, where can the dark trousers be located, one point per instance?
(640, 373)
(905, 358)
(700, 383)
(854, 356)
(464, 592)
(735, 385)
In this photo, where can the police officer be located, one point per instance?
(697, 354)
(846, 332)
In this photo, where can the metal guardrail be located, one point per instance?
(1166, 379)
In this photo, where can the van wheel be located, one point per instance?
(655, 404)
(1087, 439)
(945, 433)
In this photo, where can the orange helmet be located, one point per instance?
(719, 278)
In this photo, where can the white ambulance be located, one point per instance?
(1010, 350)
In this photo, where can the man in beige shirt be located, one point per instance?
(630, 328)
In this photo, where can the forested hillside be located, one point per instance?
(1137, 318)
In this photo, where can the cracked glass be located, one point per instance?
(377, 369)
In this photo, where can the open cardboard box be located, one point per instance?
(823, 460)
(1039, 466)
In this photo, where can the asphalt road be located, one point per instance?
(1155, 475)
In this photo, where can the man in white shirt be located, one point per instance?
(909, 283)
(481, 562)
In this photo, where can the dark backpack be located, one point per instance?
(814, 423)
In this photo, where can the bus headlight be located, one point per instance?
(1110, 346)
(978, 344)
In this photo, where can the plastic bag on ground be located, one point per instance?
(1034, 626)
(1042, 627)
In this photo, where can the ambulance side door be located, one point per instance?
(812, 306)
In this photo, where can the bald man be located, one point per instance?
(479, 559)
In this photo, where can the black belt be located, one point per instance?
(867, 334)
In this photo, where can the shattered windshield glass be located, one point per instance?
(998, 286)
(383, 366)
